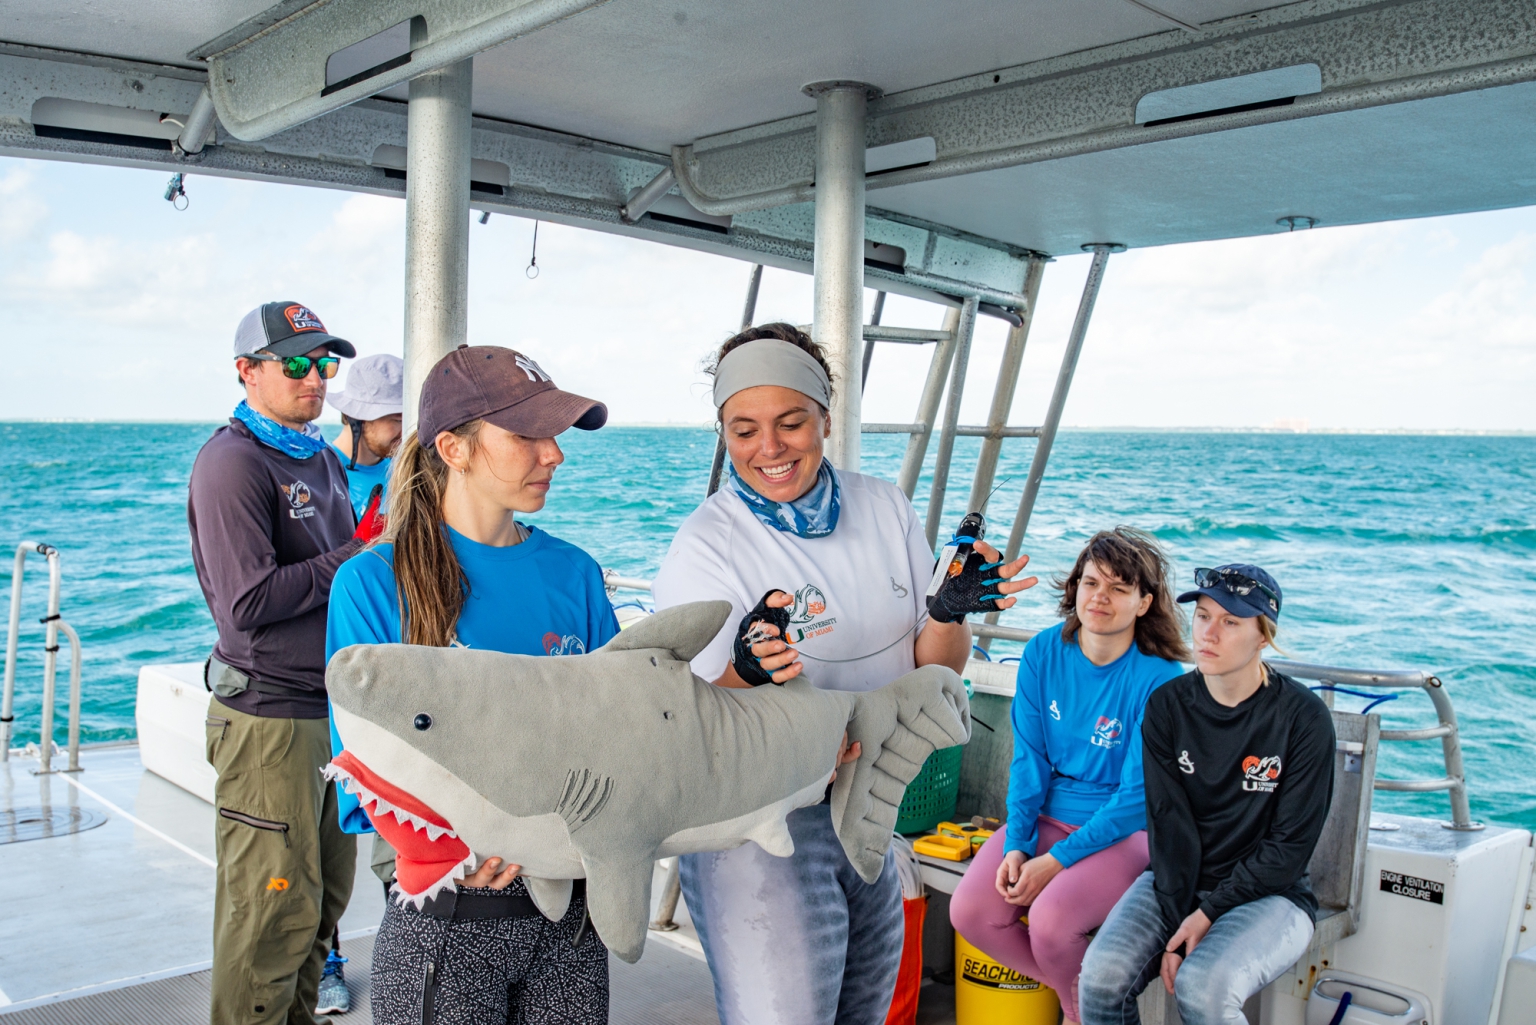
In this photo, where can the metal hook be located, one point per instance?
(533, 260)
(176, 192)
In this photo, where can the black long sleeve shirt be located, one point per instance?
(268, 534)
(1236, 797)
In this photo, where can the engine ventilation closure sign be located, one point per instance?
(1412, 886)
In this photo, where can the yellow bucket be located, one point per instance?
(987, 993)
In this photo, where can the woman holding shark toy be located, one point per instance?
(456, 568)
(832, 567)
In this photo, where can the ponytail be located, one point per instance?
(429, 582)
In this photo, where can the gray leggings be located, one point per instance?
(517, 971)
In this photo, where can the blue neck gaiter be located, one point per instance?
(813, 514)
(299, 445)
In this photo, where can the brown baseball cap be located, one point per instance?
(503, 387)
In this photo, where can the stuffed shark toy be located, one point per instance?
(593, 766)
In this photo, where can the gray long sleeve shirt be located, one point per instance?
(268, 534)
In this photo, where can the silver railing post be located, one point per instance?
(928, 404)
(12, 635)
(74, 696)
(50, 662)
(1450, 748)
(671, 890)
(1002, 393)
(838, 261)
(1101, 251)
(436, 222)
(869, 343)
(963, 333)
(748, 315)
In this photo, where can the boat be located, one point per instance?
(944, 151)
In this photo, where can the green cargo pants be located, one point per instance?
(285, 867)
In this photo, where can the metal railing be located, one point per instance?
(53, 623)
(1455, 780)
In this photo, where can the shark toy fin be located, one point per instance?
(619, 902)
(684, 630)
(551, 896)
(899, 726)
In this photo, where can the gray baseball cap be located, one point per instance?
(375, 388)
(286, 329)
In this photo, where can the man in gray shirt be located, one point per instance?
(271, 523)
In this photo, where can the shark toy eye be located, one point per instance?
(423, 721)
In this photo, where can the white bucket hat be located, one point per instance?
(375, 388)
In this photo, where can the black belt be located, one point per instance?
(477, 905)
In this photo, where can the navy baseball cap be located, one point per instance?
(1242, 589)
(286, 329)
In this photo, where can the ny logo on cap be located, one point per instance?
(533, 370)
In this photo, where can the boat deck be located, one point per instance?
(113, 923)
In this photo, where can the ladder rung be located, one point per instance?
(906, 335)
(893, 428)
(964, 431)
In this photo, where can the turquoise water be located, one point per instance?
(1394, 552)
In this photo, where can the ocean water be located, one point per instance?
(1393, 551)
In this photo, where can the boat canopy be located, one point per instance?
(930, 149)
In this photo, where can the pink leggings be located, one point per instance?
(1051, 947)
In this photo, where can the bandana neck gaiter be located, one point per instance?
(813, 514)
(299, 445)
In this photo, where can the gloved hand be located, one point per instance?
(747, 665)
(968, 583)
(373, 522)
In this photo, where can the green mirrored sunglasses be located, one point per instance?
(298, 367)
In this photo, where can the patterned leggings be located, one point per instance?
(521, 971)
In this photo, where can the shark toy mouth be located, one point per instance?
(429, 856)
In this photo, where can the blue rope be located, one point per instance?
(630, 605)
(1010, 658)
(978, 649)
(1359, 694)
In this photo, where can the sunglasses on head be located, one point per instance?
(1233, 582)
(298, 367)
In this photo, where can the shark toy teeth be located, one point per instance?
(593, 766)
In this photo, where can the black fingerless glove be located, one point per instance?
(963, 581)
(745, 663)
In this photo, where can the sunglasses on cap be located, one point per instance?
(298, 367)
(1233, 582)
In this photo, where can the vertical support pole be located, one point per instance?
(50, 663)
(839, 254)
(928, 405)
(1002, 394)
(869, 343)
(1101, 253)
(436, 223)
(963, 333)
(671, 890)
(12, 637)
(74, 696)
(748, 315)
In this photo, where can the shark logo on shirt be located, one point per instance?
(1106, 732)
(1055, 712)
(1261, 775)
(1186, 764)
(569, 644)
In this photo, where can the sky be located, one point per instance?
(119, 307)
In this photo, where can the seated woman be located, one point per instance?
(841, 561)
(1239, 775)
(455, 568)
(1076, 839)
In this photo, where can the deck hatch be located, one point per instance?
(18, 824)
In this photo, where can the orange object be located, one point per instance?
(909, 977)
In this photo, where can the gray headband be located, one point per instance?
(772, 362)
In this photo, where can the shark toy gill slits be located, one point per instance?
(593, 766)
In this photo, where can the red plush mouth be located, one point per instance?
(429, 856)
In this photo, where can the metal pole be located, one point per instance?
(1101, 253)
(50, 664)
(74, 696)
(12, 635)
(1450, 747)
(671, 890)
(838, 262)
(748, 314)
(869, 343)
(963, 333)
(194, 134)
(1002, 394)
(436, 223)
(648, 196)
(928, 405)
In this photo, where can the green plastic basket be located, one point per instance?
(931, 796)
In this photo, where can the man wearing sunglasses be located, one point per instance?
(271, 522)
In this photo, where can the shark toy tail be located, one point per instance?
(899, 726)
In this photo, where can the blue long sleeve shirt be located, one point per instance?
(541, 597)
(1077, 745)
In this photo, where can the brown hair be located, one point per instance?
(784, 333)
(429, 581)
(1137, 559)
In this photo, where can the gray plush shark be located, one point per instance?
(593, 766)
